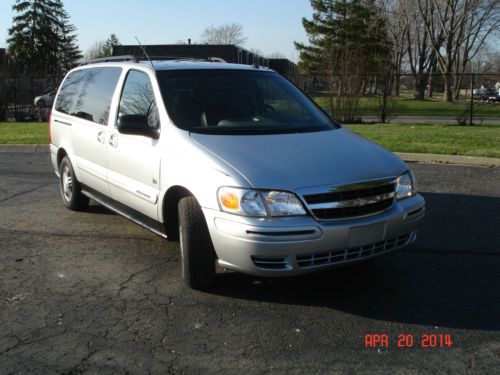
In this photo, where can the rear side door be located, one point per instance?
(134, 160)
(87, 105)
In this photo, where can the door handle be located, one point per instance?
(113, 140)
(100, 137)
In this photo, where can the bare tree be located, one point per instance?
(394, 12)
(230, 33)
(418, 47)
(101, 48)
(276, 55)
(387, 105)
(443, 18)
(458, 24)
(257, 51)
(94, 51)
(483, 18)
(487, 61)
(345, 79)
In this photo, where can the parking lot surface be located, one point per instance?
(93, 292)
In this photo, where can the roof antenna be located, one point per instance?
(145, 53)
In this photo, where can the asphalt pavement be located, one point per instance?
(93, 292)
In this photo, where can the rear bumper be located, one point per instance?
(299, 245)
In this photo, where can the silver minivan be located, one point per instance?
(232, 160)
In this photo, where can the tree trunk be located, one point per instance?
(431, 86)
(432, 72)
(397, 73)
(448, 93)
(458, 83)
(363, 87)
(421, 89)
(397, 83)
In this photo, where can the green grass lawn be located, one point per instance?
(481, 140)
(476, 140)
(24, 133)
(429, 107)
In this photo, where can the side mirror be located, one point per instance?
(136, 125)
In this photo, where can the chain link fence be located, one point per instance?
(405, 97)
(17, 98)
(349, 98)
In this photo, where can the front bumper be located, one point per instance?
(299, 245)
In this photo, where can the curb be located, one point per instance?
(24, 148)
(476, 161)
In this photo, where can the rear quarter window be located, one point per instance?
(87, 93)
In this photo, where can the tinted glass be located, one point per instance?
(87, 93)
(138, 98)
(69, 91)
(238, 102)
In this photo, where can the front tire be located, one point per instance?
(197, 252)
(71, 191)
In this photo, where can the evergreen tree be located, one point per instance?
(69, 52)
(41, 39)
(340, 26)
(107, 48)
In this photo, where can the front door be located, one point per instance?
(133, 160)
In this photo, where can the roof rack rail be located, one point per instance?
(162, 58)
(132, 58)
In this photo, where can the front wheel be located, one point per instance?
(70, 187)
(197, 252)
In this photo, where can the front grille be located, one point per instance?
(343, 212)
(275, 263)
(339, 256)
(352, 201)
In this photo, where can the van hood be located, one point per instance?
(293, 161)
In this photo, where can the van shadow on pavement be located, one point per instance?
(448, 278)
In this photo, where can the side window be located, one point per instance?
(138, 98)
(69, 91)
(87, 93)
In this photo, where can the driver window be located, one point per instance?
(138, 98)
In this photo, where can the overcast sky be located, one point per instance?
(269, 25)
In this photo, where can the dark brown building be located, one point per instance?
(284, 67)
(228, 52)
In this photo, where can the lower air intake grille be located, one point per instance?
(269, 263)
(339, 256)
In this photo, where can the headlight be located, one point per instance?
(249, 202)
(241, 201)
(406, 185)
(281, 203)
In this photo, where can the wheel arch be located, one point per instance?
(61, 153)
(170, 213)
(66, 150)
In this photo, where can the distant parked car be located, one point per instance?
(494, 98)
(491, 96)
(45, 100)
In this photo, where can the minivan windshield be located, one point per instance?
(238, 102)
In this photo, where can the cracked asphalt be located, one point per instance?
(93, 292)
